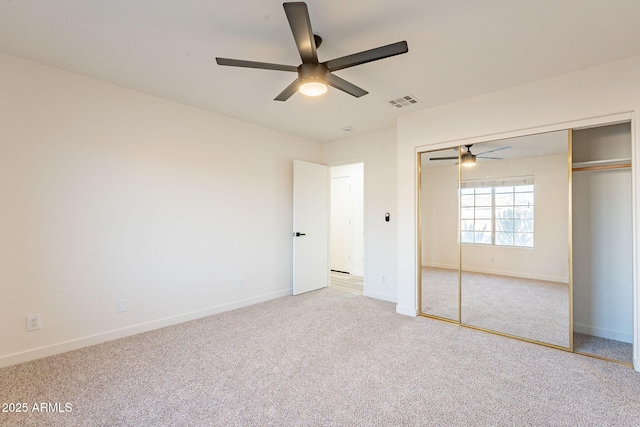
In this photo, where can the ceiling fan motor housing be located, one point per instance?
(312, 70)
(468, 157)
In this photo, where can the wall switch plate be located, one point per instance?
(33, 322)
(122, 305)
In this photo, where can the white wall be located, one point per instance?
(111, 194)
(439, 215)
(355, 173)
(602, 293)
(378, 152)
(548, 259)
(544, 105)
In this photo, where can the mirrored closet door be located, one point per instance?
(530, 237)
(514, 234)
(500, 212)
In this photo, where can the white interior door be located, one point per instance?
(341, 224)
(310, 226)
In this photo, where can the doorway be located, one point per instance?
(346, 259)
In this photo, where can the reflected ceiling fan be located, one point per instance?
(467, 158)
(314, 76)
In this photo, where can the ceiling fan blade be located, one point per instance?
(367, 56)
(254, 64)
(344, 85)
(286, 94)
(444, 158)
(298, 16)
(490, 158)
(491, 151)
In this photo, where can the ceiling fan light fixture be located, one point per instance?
(468, 160)
(312, 86)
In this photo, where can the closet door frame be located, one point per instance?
(625, 117)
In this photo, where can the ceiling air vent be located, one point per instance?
(405, 101)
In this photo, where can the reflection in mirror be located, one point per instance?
(514, 233)
(439, 226)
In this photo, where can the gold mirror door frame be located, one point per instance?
(484, 283)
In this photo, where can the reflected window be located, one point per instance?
(498, 213)
(476, 218)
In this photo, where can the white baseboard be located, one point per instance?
(603, 333)
(62, 347)
(498, 272)
(407, 311)
(437, 265)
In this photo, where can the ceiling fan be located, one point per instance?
(314, 76)
(467, 158)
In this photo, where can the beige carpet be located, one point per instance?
(532, 309)
(602, 347)
(326, 358)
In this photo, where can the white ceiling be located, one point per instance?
(457, 49)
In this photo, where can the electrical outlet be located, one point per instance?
(122, 305)
(241, 284)
(33, 322)
(384, 279)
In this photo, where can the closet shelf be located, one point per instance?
(602, 164)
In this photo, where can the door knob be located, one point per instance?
(298, 234)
